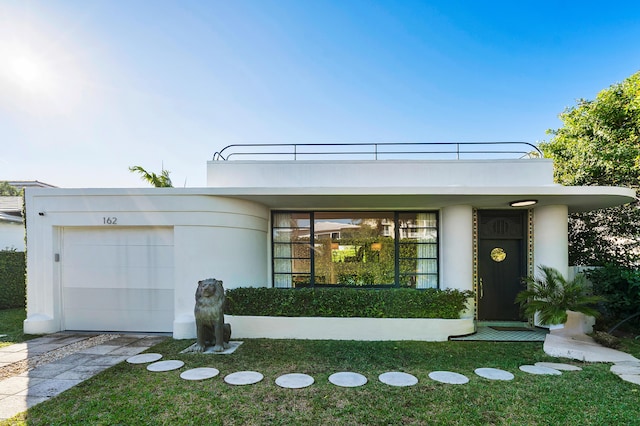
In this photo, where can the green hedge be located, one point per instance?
(620, 288)
(12, 279)
(346, 302)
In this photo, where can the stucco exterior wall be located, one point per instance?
(235, 255)
(367, 329)
(551, 238)
(457, 248)
(212, 235)
(386, 174)
(457, 252)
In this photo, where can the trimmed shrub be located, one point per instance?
(347, 302)
(12, 279)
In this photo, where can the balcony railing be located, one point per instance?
(381, 151)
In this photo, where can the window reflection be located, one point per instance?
(355, 249)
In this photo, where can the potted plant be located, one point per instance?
(550, 296)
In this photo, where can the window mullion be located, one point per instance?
(312, 251)
(396, 243)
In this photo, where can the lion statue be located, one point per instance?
(209, 313)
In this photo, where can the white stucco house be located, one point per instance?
(468, 217)
(11, 224)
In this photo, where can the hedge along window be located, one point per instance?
(382, 249)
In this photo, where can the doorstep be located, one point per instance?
(504, 331)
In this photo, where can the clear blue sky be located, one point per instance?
(91, 87)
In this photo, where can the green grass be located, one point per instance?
(129, 394)
(631, 345)
(11, 325)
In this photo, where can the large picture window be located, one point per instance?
(363, 249)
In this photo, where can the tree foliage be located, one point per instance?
(599, 144)
(159, 181)
(620, 288)
(8, 190)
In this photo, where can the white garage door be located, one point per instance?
(117, 279)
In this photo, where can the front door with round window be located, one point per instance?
(501, 265)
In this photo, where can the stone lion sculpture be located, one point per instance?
(209, 313)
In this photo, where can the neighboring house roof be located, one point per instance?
(11, 209)
(10, 203)
(327, 226)
(4, 217)
(11, 206)
(29, 184)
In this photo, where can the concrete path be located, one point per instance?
(39, 369)
(581, 347)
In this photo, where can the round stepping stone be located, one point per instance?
(448, 377)
(558, 366)
(143, 358)
(165, 365)
(201, 373)
(243, 378)
(347, 379)
(533, 369)
(494, 374)
(631, 378)
(294, 381)
(397, 378)
(624, 369)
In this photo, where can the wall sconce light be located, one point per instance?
(523, 203)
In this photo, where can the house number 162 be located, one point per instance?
(109, 220)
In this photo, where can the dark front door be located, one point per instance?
(501, 264)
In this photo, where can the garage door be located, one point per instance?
(117, 279)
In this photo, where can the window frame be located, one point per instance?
(398, 274)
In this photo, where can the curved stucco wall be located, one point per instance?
(235, 255)
(212, 236)
(457, 247)
(551, 238)
(457, 251)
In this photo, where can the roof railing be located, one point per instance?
(381, 151)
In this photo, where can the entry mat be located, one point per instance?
(510, 328)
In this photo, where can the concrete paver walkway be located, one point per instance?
(582, 348)
(39, 369)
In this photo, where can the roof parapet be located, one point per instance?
(381, 151)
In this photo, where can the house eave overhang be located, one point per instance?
(577, 198)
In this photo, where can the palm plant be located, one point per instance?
(159, 181)
(551, 296)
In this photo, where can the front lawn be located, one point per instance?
(11, 326)
(129, 394)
